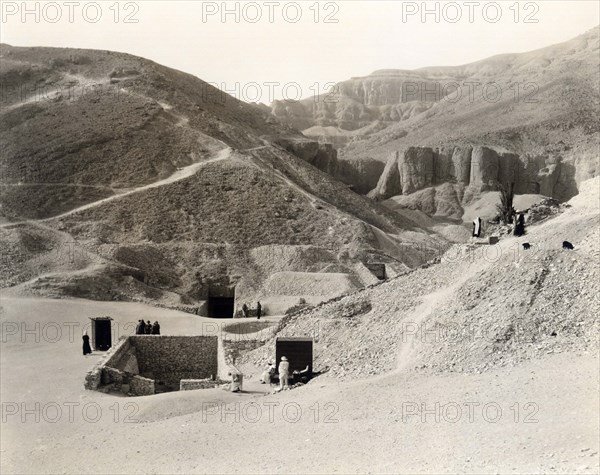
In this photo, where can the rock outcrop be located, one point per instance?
(361, 176)
(480, 168)
(385, 95)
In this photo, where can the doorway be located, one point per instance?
(220, 307)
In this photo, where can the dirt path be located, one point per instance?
(429, 303)
(313, 199)
(175, 177)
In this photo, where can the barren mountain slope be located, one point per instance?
(544, 102)
(481, 307)
(154, 186)
(556, 111)
(108, 120)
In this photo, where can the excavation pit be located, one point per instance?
(150, 364)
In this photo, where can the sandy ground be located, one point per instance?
(541, 417)
(485, 206)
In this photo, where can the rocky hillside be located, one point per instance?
(126, 180)
(481, 307)
(543, 103)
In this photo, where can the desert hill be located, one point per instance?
(123, 179)
(482, 307)
(543, 103)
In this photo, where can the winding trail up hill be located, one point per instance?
(125, 180)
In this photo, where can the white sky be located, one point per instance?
(369, 35)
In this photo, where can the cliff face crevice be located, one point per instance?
(361, 176)
(480, 168)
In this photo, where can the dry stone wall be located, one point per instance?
(136, 364)
(173, 358)
(234, 349)
(140, 386)
(191, 384)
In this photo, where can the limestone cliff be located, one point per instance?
(480, 168)
(361, 176)
(386, 95)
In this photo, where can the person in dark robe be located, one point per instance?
(245, 312)
(140, 329)
(148, 328)
(258, 310)
(156, 329)
(87, 349)
(520, 225)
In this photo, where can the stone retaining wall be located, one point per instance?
(234, 349)
(140, 386)
(191, 384)
(172, 358)
(137, 363)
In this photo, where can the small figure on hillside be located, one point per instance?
(140, 329)
(477, 227)
(284, 373)
(87, 349)
(245, 311)
(567, 245)
(148, 328)
(156, 328)
(526, 246)
(520, 225)
(268, 374)
(258, 311)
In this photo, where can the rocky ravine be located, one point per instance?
(361, 176)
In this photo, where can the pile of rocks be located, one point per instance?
(522, 310)
(470, 312)
(544, 210)
(358, 335)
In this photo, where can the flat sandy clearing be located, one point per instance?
(539, 417)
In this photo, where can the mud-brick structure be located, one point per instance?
(147, 364)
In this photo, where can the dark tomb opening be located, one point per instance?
(220, 307)
(221, 303)
(298, 351)
(101, 333)
(378, 270)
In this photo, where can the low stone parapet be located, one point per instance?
(140, 386)
(191, 384)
